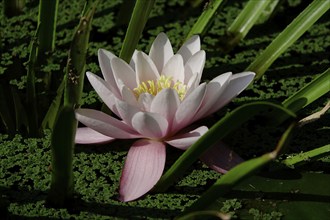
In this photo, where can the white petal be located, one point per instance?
(143, 168)
(105, 124)
(195, 65)
(189, 48)
(126, 111)
(150, 125)
(238, 82)
(126, 94)
(161, 51)
(174, 68)
(214, 90)
(105, 58)
(86, 135)
(103, 90)
(145, 68)
(188, 108)
(133, 60)
(166, 103)
(145, 100)
(184, 141)
(124, 72)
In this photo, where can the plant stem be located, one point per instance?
(62, 145)
(205, 18)
(136, 25)
(244, 22)
(287, 37)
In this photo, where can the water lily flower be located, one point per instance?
(156, 98)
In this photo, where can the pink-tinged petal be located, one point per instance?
(220, 158)
(238, 82)
(150, 124)
(188, 108)
(86, 135)
(190, 47)
(133, 60)
(161, 51)
(126, 94)
(192, 83)
(126, 111)
(214, 90)
(195, 65)
(105, 58)
(166, 103)
(174, 68)
(145, 100)
(145, 68)
(143, 168)
(105, 124)
(102, 89)
(184, 141)
(124, 72)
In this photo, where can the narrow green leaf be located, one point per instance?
(218, 131)
(5, 114)
(287, 37)
(244, 22)
(49, 119)
(13, 7)
(225, 183)
(62, 185)
(305, 157)
(21, 119)
(205, 18)
(208, 214)
(136, 25)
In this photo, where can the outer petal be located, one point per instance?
(103, 90)
(237, 84)
(195, 65)
(220, 158)
(133, 60)
(214, 90)
(190, 47)
(161, 51)
(188, 108)
(174, 68)
(86, 135)
(145, 68)
(105, 124)
(123, 71)
(150, 125)
(183, 141)
(166, 103)
(105, 58)
(143, 167)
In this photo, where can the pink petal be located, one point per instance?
(105, 124)
(123, 71)
(174, 68)
(195, 65)
(126, 94)
(190, 47)
(188, 108)
(220, 158)
(143, 168)
(104, 60)
(238, 82)
(161, 51)
(214, 90)
(86, 135)
(145, 68)
(166, 103)
(145, 100)
(103, 90)
(183, 141)
(150, 125)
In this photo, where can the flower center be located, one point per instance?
(164, 82)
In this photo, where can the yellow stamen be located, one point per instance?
(153, 87)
